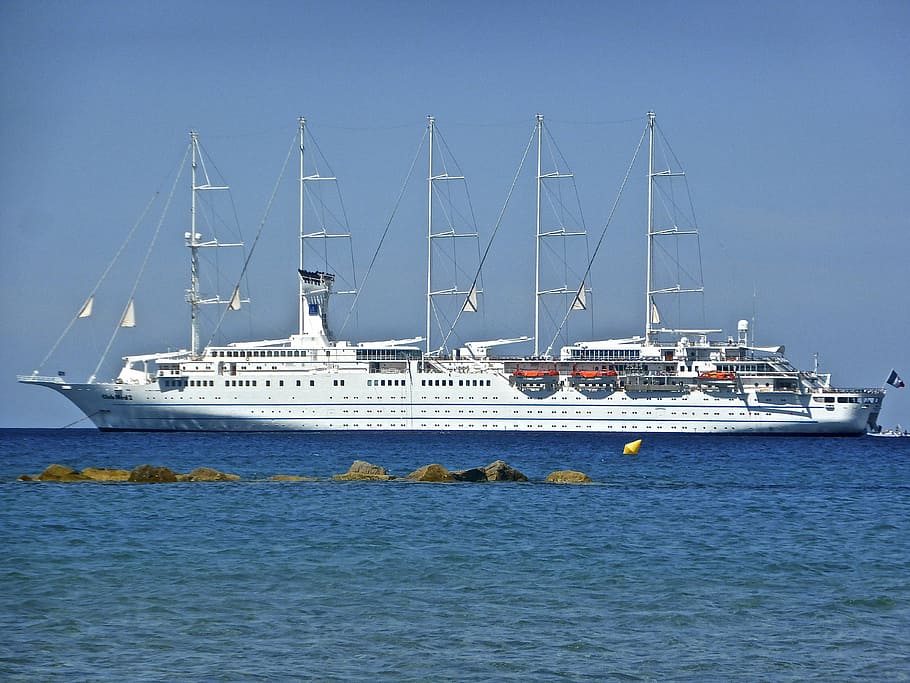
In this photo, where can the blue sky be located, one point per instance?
(791, 119)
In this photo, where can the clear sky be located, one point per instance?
(791, 119)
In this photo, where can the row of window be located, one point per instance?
(840, 399)
(745, 367)
(289, 353)
(451, 383)
(386, 383)
(604, 354)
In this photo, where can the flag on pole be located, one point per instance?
(895, 380)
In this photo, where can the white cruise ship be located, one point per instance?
(663, 381)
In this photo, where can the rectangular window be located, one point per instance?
(334, 382)
(312, 383)
(268, 382)
(298, 382)
(280, 382)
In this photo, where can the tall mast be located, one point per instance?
(193, 244)
(648, 292)
(431, 121)
(301, 299)
(537, 292)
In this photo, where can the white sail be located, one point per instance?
(235, 299)
(655, 314)
(470, 305)
(86, 310)
(129, 316)
(580, 304)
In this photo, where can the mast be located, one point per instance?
(537, 242)
(449, 232)
(317, 277)
(301, 299)
(672, 230)
(648, 300)
(431, 121)
(193, 244)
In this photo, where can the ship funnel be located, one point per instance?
(315, 289)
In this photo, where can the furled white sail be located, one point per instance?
(235, 299)
(655, 314)
(470, 305)
(86, 310)
(129, 316)
(580, 304)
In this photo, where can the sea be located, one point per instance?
(699, 559)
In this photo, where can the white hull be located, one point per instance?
(497, 407)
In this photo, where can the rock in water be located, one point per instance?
(501, 471)
(207, 474)
(290, 477)
(151, 474)
(568, 477)
(433, 473)
(474, 474)
(61, 473)
(361, 470)
(105, 474)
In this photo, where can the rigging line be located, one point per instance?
(148, 253)
(384, 232)
(104, 275)
(496, 227)
(249, 256)
(75, 422)
(603, 232)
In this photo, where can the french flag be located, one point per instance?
(895, 380)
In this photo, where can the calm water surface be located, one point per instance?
(700, 559)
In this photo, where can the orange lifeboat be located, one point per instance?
(717, 375)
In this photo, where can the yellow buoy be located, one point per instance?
(632, 447)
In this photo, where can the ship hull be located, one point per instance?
(501, 406)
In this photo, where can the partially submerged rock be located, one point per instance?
(432, 473)
(61, 473)
(568, 477)
(361, 470)
(152, 474)
(207, 474)
(475, 474)
(502, 471)
(106, 474)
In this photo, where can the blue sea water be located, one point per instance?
(700, 559)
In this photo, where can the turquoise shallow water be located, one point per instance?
(699, 559)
